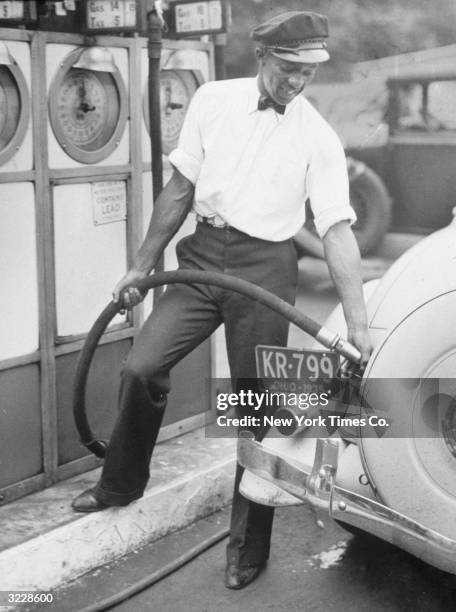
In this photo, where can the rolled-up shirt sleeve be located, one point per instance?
(327, 183)
(189, 154)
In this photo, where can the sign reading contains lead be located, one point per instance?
(109, 201)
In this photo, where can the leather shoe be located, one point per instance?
(87, 502)
(238, 577)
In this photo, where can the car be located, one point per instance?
(405, 180)
(395, 479)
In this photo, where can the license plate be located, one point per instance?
(287, 363)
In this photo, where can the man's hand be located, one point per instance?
(361, 339)
(127, 295)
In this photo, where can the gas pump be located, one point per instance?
(77, 177)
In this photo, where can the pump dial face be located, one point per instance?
(88, 112)
(175, 97)
(82, 106)
(176, 90)
(14, 110)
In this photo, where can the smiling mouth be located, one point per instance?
(290, 93)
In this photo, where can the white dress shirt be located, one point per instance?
(256, 169)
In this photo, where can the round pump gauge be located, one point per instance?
(14, 110)
(88, 110)
(176, 90)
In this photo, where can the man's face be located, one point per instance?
(282, 80)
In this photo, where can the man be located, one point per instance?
(250, 153)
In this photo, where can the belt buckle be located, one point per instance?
(213, 221)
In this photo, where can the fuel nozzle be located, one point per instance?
(334, 342)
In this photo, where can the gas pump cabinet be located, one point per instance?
(75, 202)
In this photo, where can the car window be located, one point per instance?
(427, 107)
(442, 103)
(410, 98)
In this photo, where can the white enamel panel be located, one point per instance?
(18, 271)
(89, 259)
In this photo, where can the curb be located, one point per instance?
(201, 483)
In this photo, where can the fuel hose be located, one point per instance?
(329, 339)
(161, 573)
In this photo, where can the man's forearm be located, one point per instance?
(170, 210)
(344, 263)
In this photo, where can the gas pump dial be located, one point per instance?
(176, 90)
(88, 111)
(14, 110)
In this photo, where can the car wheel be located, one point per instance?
(372, 203)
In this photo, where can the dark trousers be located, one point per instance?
(183, 318)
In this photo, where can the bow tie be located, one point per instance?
(264, 103)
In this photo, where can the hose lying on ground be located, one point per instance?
(162, 572)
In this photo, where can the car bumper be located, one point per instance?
(317, 485)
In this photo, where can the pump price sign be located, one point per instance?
(14, 11)
(198, 18)
(111, 15)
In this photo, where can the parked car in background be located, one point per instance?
(403, 176)
(418, 162)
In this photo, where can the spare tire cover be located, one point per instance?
(415, 473)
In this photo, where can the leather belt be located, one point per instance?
(214, 221)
